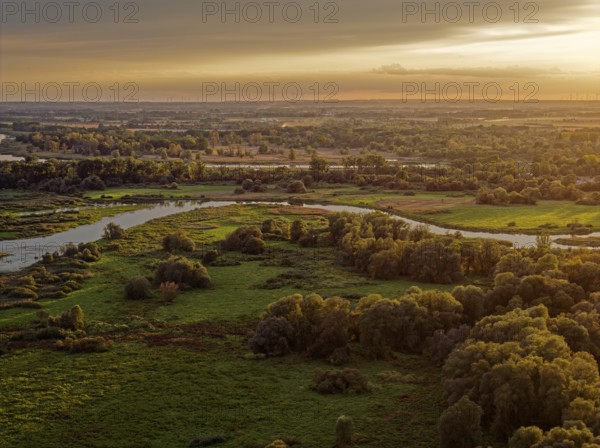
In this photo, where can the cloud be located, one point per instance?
(171, 43)
(477, 72)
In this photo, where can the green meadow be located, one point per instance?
(183, 371)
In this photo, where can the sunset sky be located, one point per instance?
(371, 52)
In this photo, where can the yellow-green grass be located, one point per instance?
(150, 396)
(527, 218)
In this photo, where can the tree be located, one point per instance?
(526, 437)
(318, 167)
(460, 425)
(92, 183)
(472, 299)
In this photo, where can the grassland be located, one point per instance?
(454, 211)
(551, 216)
(182, 371)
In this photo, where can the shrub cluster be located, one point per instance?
(182, 271)
(84, 345)
(276, 229)
(178, 241)
(247, 239)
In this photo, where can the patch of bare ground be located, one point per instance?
(418, 205)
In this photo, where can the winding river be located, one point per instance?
(25, 252)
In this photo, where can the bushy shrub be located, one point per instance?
(273, 337)
(87, 255)
(85, 251)
(72, 319)
(113, 231)
(178, 241)
(296, 187)
(346, 381)
(92, 183)
(21, 293)
(253, 246)
(70, 250)
(244, 239)
(276, 229)
(210, 256)
(169, 291)
(247, 184)
(309, 240)
(72, 285)
(182, 271)
(259, 187)
(138, 289)
(85, 345)
(52, 333)
(298, 230)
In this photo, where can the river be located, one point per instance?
(9, 157)
(25, 252)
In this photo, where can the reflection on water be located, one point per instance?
(25, 252)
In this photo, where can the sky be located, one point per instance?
(192, 50)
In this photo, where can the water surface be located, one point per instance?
(25, 252)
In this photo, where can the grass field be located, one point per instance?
(526, 218)
(138, 395)
(166, 381)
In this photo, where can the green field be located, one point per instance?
(527, 219)
(138, 395)
(168, 380)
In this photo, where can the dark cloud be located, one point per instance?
(175, 30)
